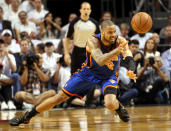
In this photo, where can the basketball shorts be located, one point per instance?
(79, 87)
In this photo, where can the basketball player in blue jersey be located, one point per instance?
(100, 67)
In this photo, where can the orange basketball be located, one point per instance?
(141, 22)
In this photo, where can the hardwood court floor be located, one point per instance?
(153, 118)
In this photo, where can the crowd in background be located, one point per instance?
(32, 59)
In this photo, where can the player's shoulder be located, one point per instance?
(92, 42)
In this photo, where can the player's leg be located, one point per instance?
(44, 106)
(111, 102)
(109, 90)
(76, 86)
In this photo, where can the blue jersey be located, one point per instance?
(91, 71)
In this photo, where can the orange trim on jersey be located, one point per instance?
(117, 76)
(109, 86)
(83, 65)
(90, 60)
(70, 94)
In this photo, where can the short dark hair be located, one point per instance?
(136, 42)
(106, 23)
(22, 12)
(49, 44)
(1, 41)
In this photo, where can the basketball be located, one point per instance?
(141, 22)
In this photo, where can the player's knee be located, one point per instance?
(111, 105)
(59, 98)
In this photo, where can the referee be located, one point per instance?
(80, 30)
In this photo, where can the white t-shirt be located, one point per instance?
(141, 40)
(11, 16)
(14, 47)
(152, 54)
(6, 66)
(50, 62)
(36, 42)
(27, 7)
(31, 27)
(4, 6)
(64, 76)
(37, 15)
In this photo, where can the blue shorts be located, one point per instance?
(78, 86)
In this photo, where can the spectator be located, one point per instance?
(166, 59)
(65, 28)
(142, 38)
(8, 60)
(37, 15)
(40, 48)
(137, 55)
(5, 91)
(34, 78)
(167, 35)
(124, 27)
(108, 16)
(24, 25)
(58, 21)
(162, 34)
(5, 4)
(28, 5)
(4, 24)
(150, 49)
(50, 62)
(20, 56)
(10, 43)
(157, 42)
(48, 28)
(12, 14)
(152, 79)
(156, 38)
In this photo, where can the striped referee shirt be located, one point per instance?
(81, 30)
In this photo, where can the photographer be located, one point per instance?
(150, 49)
(152, 78)
(34, 76)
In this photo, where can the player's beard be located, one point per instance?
(104, 38)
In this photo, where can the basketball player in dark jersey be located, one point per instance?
(100, 67)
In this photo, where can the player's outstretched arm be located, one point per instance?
(128, 59)
(93, 46)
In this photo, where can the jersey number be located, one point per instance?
(110, 65)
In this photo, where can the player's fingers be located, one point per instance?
(125, 44)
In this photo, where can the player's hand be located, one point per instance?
(122, 48)
(67, 59)
(131, 75)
